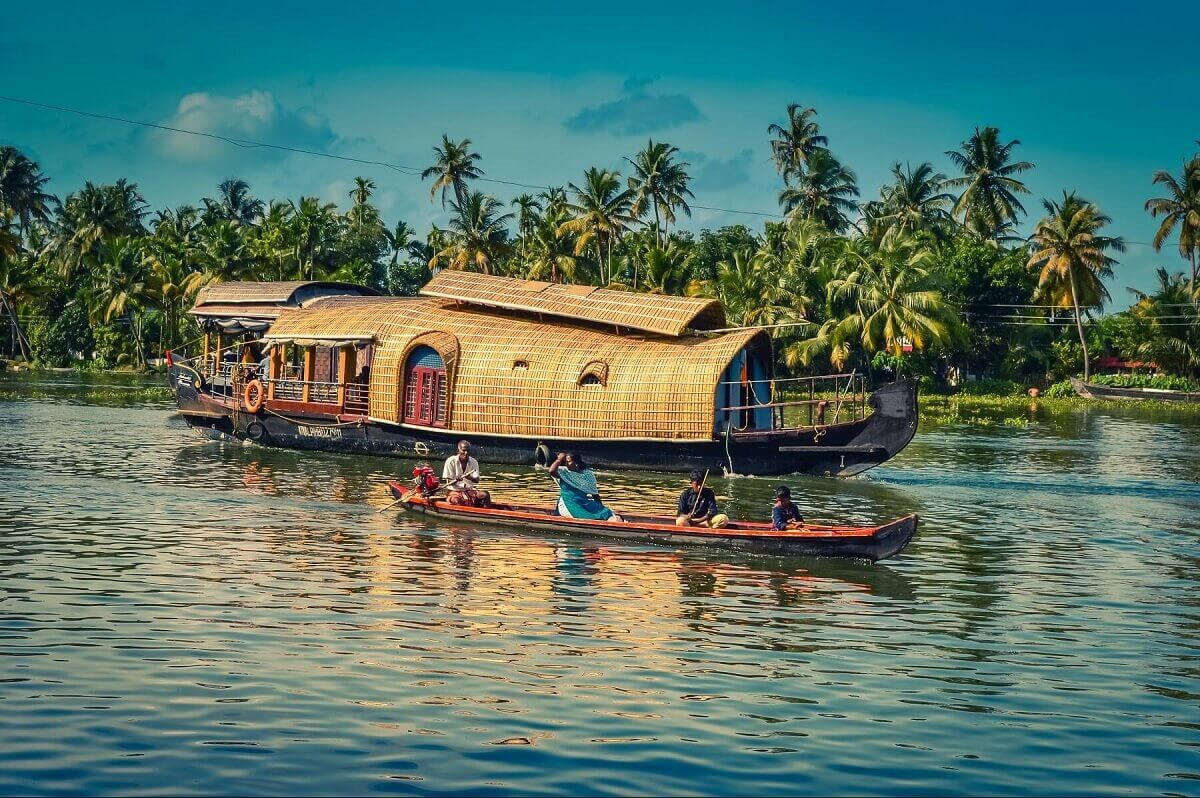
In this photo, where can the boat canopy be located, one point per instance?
(236, 308)
(654, 313)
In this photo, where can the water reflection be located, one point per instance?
(247, 617)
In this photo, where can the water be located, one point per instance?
(189, 617)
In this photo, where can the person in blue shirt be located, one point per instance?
(785, 515)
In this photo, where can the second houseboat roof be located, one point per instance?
(654, 313)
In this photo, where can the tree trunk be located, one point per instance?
(19, 338)
(1087, 370)
(657, 224)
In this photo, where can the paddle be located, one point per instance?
(432, 493)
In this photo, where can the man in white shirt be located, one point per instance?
(461, 476)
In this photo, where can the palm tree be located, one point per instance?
(91, 216)
(661, 183)
(554, 201)
(1071, 255)
(753, 288)
(1181, 208)
(21, 184)
(1170, 312)
(794, 144)
(234, 203)
(122, 288)
(551, 253)
(989, 198)
(455, 165)
(477, 235)
(174, 253)
(600, 213)
(314, 231)
(883, 301)
(226, 254)
(274, 242)
(17, 281)
(527, 217)
(361, 195)
(824, 191)
(915, 201)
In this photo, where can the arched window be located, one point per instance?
(425, 388)
(594, 373)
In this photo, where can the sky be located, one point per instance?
(1101, 95)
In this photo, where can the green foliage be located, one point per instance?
(1061, 390)
(992, 387)
(1165, 382)
(55, 342)
(113, 345)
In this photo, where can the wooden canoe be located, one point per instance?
(1091, 390)
(866, 542)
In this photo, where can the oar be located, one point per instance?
(403, 498)
(696, 506)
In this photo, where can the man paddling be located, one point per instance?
(698, 505)
(461, 475)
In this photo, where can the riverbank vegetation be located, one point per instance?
(928, 277)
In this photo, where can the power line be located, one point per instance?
(410, 171)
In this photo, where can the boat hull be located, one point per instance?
(864, 543)
(1091, 390)
(834, 450)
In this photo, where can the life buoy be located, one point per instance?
(541, 455)
(252, 396)
(255, 430)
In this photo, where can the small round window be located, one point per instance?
(520, 365)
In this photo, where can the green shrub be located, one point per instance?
(1165, 382)
(53, 343)
(1060, 390)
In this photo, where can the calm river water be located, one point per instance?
(178, 616)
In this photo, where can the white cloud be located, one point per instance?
(256, 116)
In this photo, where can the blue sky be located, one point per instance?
(1101, 95)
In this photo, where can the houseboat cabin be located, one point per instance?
(520, 367)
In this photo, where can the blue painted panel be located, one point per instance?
(729, 394)
(424, 356)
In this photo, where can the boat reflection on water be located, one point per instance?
(573, 576)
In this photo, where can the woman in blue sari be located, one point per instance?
(578, 494)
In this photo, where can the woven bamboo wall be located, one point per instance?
(656, 387)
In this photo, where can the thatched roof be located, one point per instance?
(512, 375)
(264, 300)
(665, 315)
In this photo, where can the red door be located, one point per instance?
(424, 397)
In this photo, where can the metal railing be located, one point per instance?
(831, 398)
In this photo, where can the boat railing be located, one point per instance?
(304, 391)
(358, 399)
(807, 401)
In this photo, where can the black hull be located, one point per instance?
(836, 450)
(1090, 390)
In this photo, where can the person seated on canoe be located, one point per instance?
(785, 515)
(461, 477)
(698, 505)
(578, 494)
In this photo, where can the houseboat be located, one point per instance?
(524, 369)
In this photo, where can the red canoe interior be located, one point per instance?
(531, 513)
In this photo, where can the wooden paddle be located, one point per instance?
(434, 492)
(696, 505)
